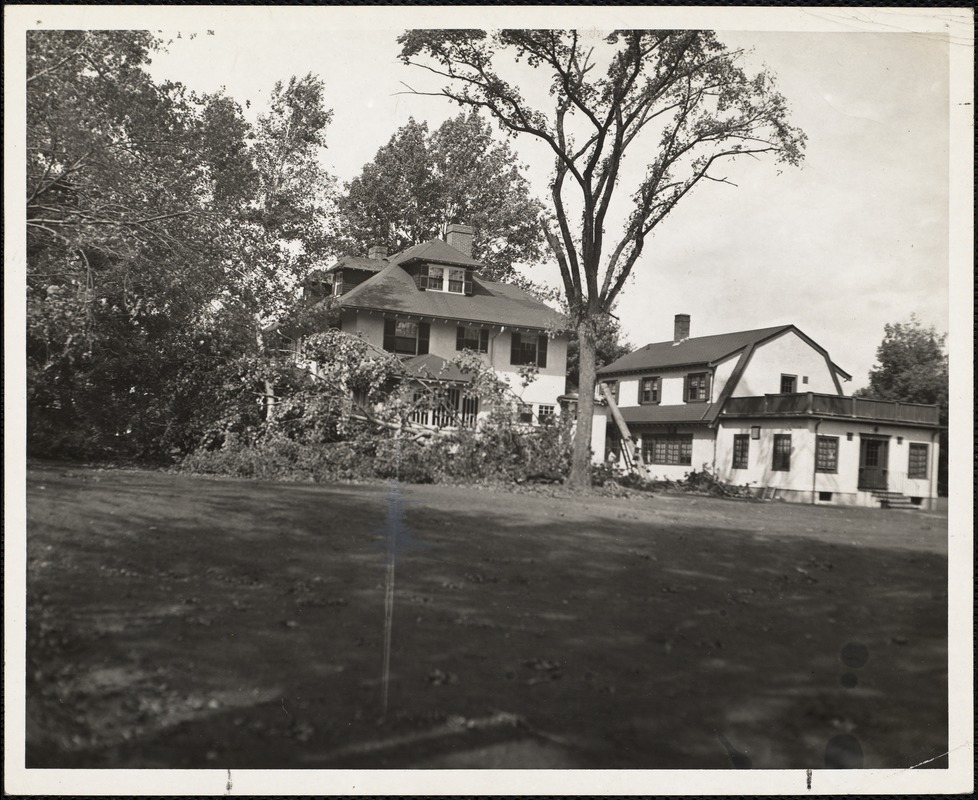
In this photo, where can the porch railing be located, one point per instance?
(828, 405)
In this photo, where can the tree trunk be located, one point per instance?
(580, 471)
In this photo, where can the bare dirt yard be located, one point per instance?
(176, 621)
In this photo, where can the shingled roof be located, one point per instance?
(434, 251)
(707, 350)
(393, 290)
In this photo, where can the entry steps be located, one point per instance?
(894, 500)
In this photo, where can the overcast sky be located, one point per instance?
(856, 238)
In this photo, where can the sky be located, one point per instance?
(855, 238)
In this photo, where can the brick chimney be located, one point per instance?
(460, 237)
(377, 252)
(681, 328)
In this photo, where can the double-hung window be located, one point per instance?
(697, 387)
(789, 384)
(781, 457)
(613, 388)
(741, 450)
(648, 390)
(471, 338)
(826, 453)
(406, 337)
(435, 278)
(529, 349)
(917, 464)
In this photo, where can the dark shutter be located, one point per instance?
(484, 340)
(422, 279)
(514, 350)
(686, 389)
(467, 285)
(460, 338)
(706, 387)
(390, 331)
(641, 390)
(424, 333)
(542, 351)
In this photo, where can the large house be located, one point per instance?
(427, 304)
(766, 408)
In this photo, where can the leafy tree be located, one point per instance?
(678, 100)
(911, 365)
(419, 183)
(159, 225)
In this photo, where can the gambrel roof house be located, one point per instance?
(428, 304)
(765, 407)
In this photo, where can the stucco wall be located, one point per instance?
(670, 387)
(545, 389)
(789, 354)
(802, 476)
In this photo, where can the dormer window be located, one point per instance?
(446, 279)
(432, 278)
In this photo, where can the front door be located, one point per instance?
(873, 458)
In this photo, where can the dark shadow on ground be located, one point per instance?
(185, 622)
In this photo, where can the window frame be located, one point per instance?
(657, 383)
(918, 471)
(741, 451)
(833, 442)
(668, 449)
(546, 414)
(794, 383)
(781, 459)
(482, 345)
(614, 385)
(518, 347)
(699, 380)
(422, 336)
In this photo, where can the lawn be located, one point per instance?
(176, 621)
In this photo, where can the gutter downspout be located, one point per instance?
(815, 458)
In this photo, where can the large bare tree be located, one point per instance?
(678, 100)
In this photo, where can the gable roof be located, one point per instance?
(359, 262)
(393, 290)
(707, 350)
(434, 251)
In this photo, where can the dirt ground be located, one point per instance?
(176, 621)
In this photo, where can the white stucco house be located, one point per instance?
(427, 304)
(765, 408)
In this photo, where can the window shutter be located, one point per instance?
(390, 331)
(706, 386)
(422, 279)
(467, 286)
(542, 350)
(484, 340)
(514, 350)
(424, 332)
(686, 389)
(460, 338)
(641, 392)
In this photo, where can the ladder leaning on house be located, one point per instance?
(628, 453)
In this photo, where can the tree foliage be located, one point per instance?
(159, 225)
(678, 100)
(420, 182)
(911, 365)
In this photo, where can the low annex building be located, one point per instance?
(427, 304)
(766, 408)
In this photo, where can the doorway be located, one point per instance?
(873, 460)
